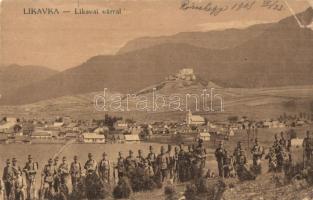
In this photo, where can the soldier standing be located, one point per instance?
(272, 160)
(189, 163)
(120, 165)
(64, 172)
(104, 169)
(307, 147)
(162, 162)
(48, 175)
(228, 165)
(282, 141)
(176, 152)
(151, 158)
(181, 164)
(19, 186)
(257, 153)
(276, 144)
(8, 179)
(75, 172)
(219, 155)
(15, 167)
(141, 161)
(30, 170)
(171, 160)
(240, 165)
(90, 165)
(237, 150)
(200, 158)
(56, 181)
(130, 163)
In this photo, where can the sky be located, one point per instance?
(67, 40)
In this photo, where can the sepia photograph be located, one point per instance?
(156, 99)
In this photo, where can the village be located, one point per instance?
(117, 130)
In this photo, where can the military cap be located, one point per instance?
(8, 161)
(30, 157)
(14, 160)
(104, 154)
(64, 158)
(56, 158)
(130, 151)
(89, 155)
(50, 160)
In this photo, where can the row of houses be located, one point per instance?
(116, 138)
(41, 131)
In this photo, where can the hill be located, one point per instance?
(265, 103)
(16, 76)
(280, 56)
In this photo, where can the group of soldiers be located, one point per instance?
(230, 165)
(175, 164)
(14, 182)
(279, 157)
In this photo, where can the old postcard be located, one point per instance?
(156, 99)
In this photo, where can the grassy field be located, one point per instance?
(42, 152)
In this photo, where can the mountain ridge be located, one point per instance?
(207, 39)
(280, 56)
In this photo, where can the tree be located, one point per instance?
(109, 121)
(206, 121)
(232, 119)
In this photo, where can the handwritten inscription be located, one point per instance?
(215, 9)
(273, 5)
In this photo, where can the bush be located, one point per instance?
(140, 181)
(191, 192)
(170, 193)
(123, 189)
(205, 189)
(95, 188)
